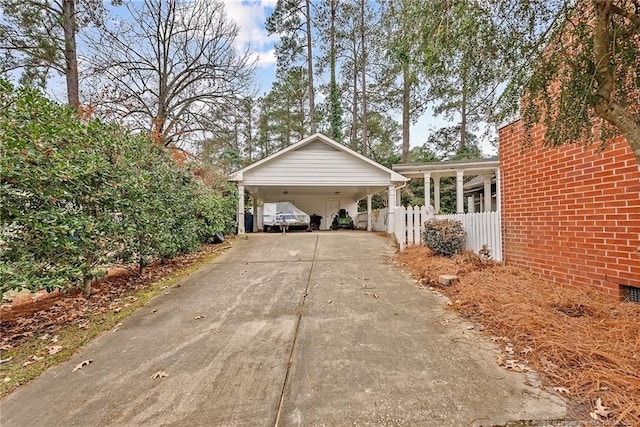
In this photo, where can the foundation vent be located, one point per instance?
(631, 294)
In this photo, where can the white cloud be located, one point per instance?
(250, 17)
(265, 59)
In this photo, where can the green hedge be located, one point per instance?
(76, 195)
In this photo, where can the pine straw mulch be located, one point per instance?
(583, 344)
(48, 314)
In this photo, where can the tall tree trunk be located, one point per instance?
(312, 96)
(605, 107)
(249, 129)
(335, 113)
(70, 52)
(406, 106)
(354, 107)
(463, 115)
(364, 79)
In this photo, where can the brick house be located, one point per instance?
(571, 214)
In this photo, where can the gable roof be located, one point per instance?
(394, 176)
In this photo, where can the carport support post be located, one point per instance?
(391, 225)
(436, 194)
(459, 191)
(369, 197)
(255, 213)
(427, 189)
(487, 193)
(241, 209)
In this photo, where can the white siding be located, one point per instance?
(316, 164)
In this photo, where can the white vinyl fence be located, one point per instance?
(379, 219)
(482, 228)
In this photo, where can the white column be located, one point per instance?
(240, 209)
(498, 190)
(427, 188)
(487, 193)
(369, 197)
(255, 213)
(459, 192)
(436, 194)
(391, 223)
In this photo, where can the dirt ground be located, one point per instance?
(582, 344)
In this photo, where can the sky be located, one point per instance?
(250, 15)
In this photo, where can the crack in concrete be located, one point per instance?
(295, 335)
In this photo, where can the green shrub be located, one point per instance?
(55, 195)
(444, 236)
(76, 195)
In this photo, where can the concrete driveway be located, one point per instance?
(309, 329)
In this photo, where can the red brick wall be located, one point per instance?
(571, 214)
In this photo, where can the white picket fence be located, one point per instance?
(482, 228)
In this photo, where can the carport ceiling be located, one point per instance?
(279, 192)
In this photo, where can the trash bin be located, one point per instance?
(315, 221)
(248, 223)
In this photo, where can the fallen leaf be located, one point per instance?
(82, 364)
(561, 390)
(7, 379)
(513, 365)
(375, 296)
(54, 349)
(500, 360)
(330, 301)
(54, 339)
(44, 337)
(198, 317)
(27, 363)
(8, 359)
(526, 350)
(159, 374)
(36, 358)
(600, 409)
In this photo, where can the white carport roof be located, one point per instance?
(316, 165)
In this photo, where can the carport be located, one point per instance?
(319, 176)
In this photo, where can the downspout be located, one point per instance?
(399, 188)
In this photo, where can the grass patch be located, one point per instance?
(32, 357)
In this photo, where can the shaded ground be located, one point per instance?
(300, 329)
(584, 344)
(45, 315)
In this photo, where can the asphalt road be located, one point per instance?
(303, 329)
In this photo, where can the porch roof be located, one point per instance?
(448, 168)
